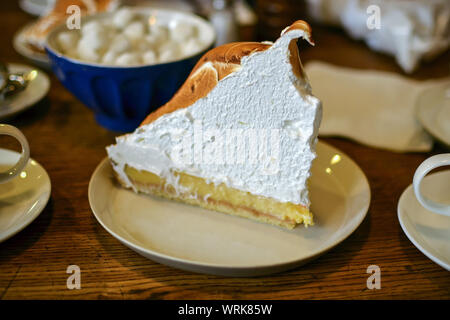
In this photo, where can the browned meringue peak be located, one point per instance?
(222, 61)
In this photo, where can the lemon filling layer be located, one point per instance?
(197, 191)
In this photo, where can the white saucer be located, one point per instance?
(199, 240)
(22, 47)
(23, 198)
(35, 91)
(428, 231)
(36, 7)
(433, 111)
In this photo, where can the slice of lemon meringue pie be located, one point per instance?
(238, 137)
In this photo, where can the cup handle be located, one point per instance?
(425, 167)
(6, 129)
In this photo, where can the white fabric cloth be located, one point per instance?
(372, 107)
(410, 30)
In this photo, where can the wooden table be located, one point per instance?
(65, 139)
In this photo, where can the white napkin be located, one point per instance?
(372, 107)
(410, 30)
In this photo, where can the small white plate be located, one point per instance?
(34, 92)
(23, 48)
(428, 231)
(433, 111)
(36, 7)
(23, 198)
(200, 240)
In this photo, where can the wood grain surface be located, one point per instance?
(65, 139)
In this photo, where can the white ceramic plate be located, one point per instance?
(22, 47)
(34, 92)
(433, 111)
(36, 7)
(199, 240)
(23, 198)
(428, 231)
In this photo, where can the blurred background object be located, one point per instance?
(111, 72)
(410, 30)
(37, 33)
(359, 105)
(234, 20)
(22, 87)
(37, 7)
(182, 5)
(274, 16)
(224, 21)
(29, 41)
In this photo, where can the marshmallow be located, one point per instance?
(120, 44)
(158, 34)
(190, 47)
(92, 27)
(128, 59)
(123, 17)
(143, 45)
(169, 52)
(134, 31)
(182, 31)
(149, 57)
(109, 57)
(67, 40)
(86, 51)
(130, 38)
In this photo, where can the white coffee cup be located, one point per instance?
(6, 129)
(429, 164)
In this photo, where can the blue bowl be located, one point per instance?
(121, 97)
